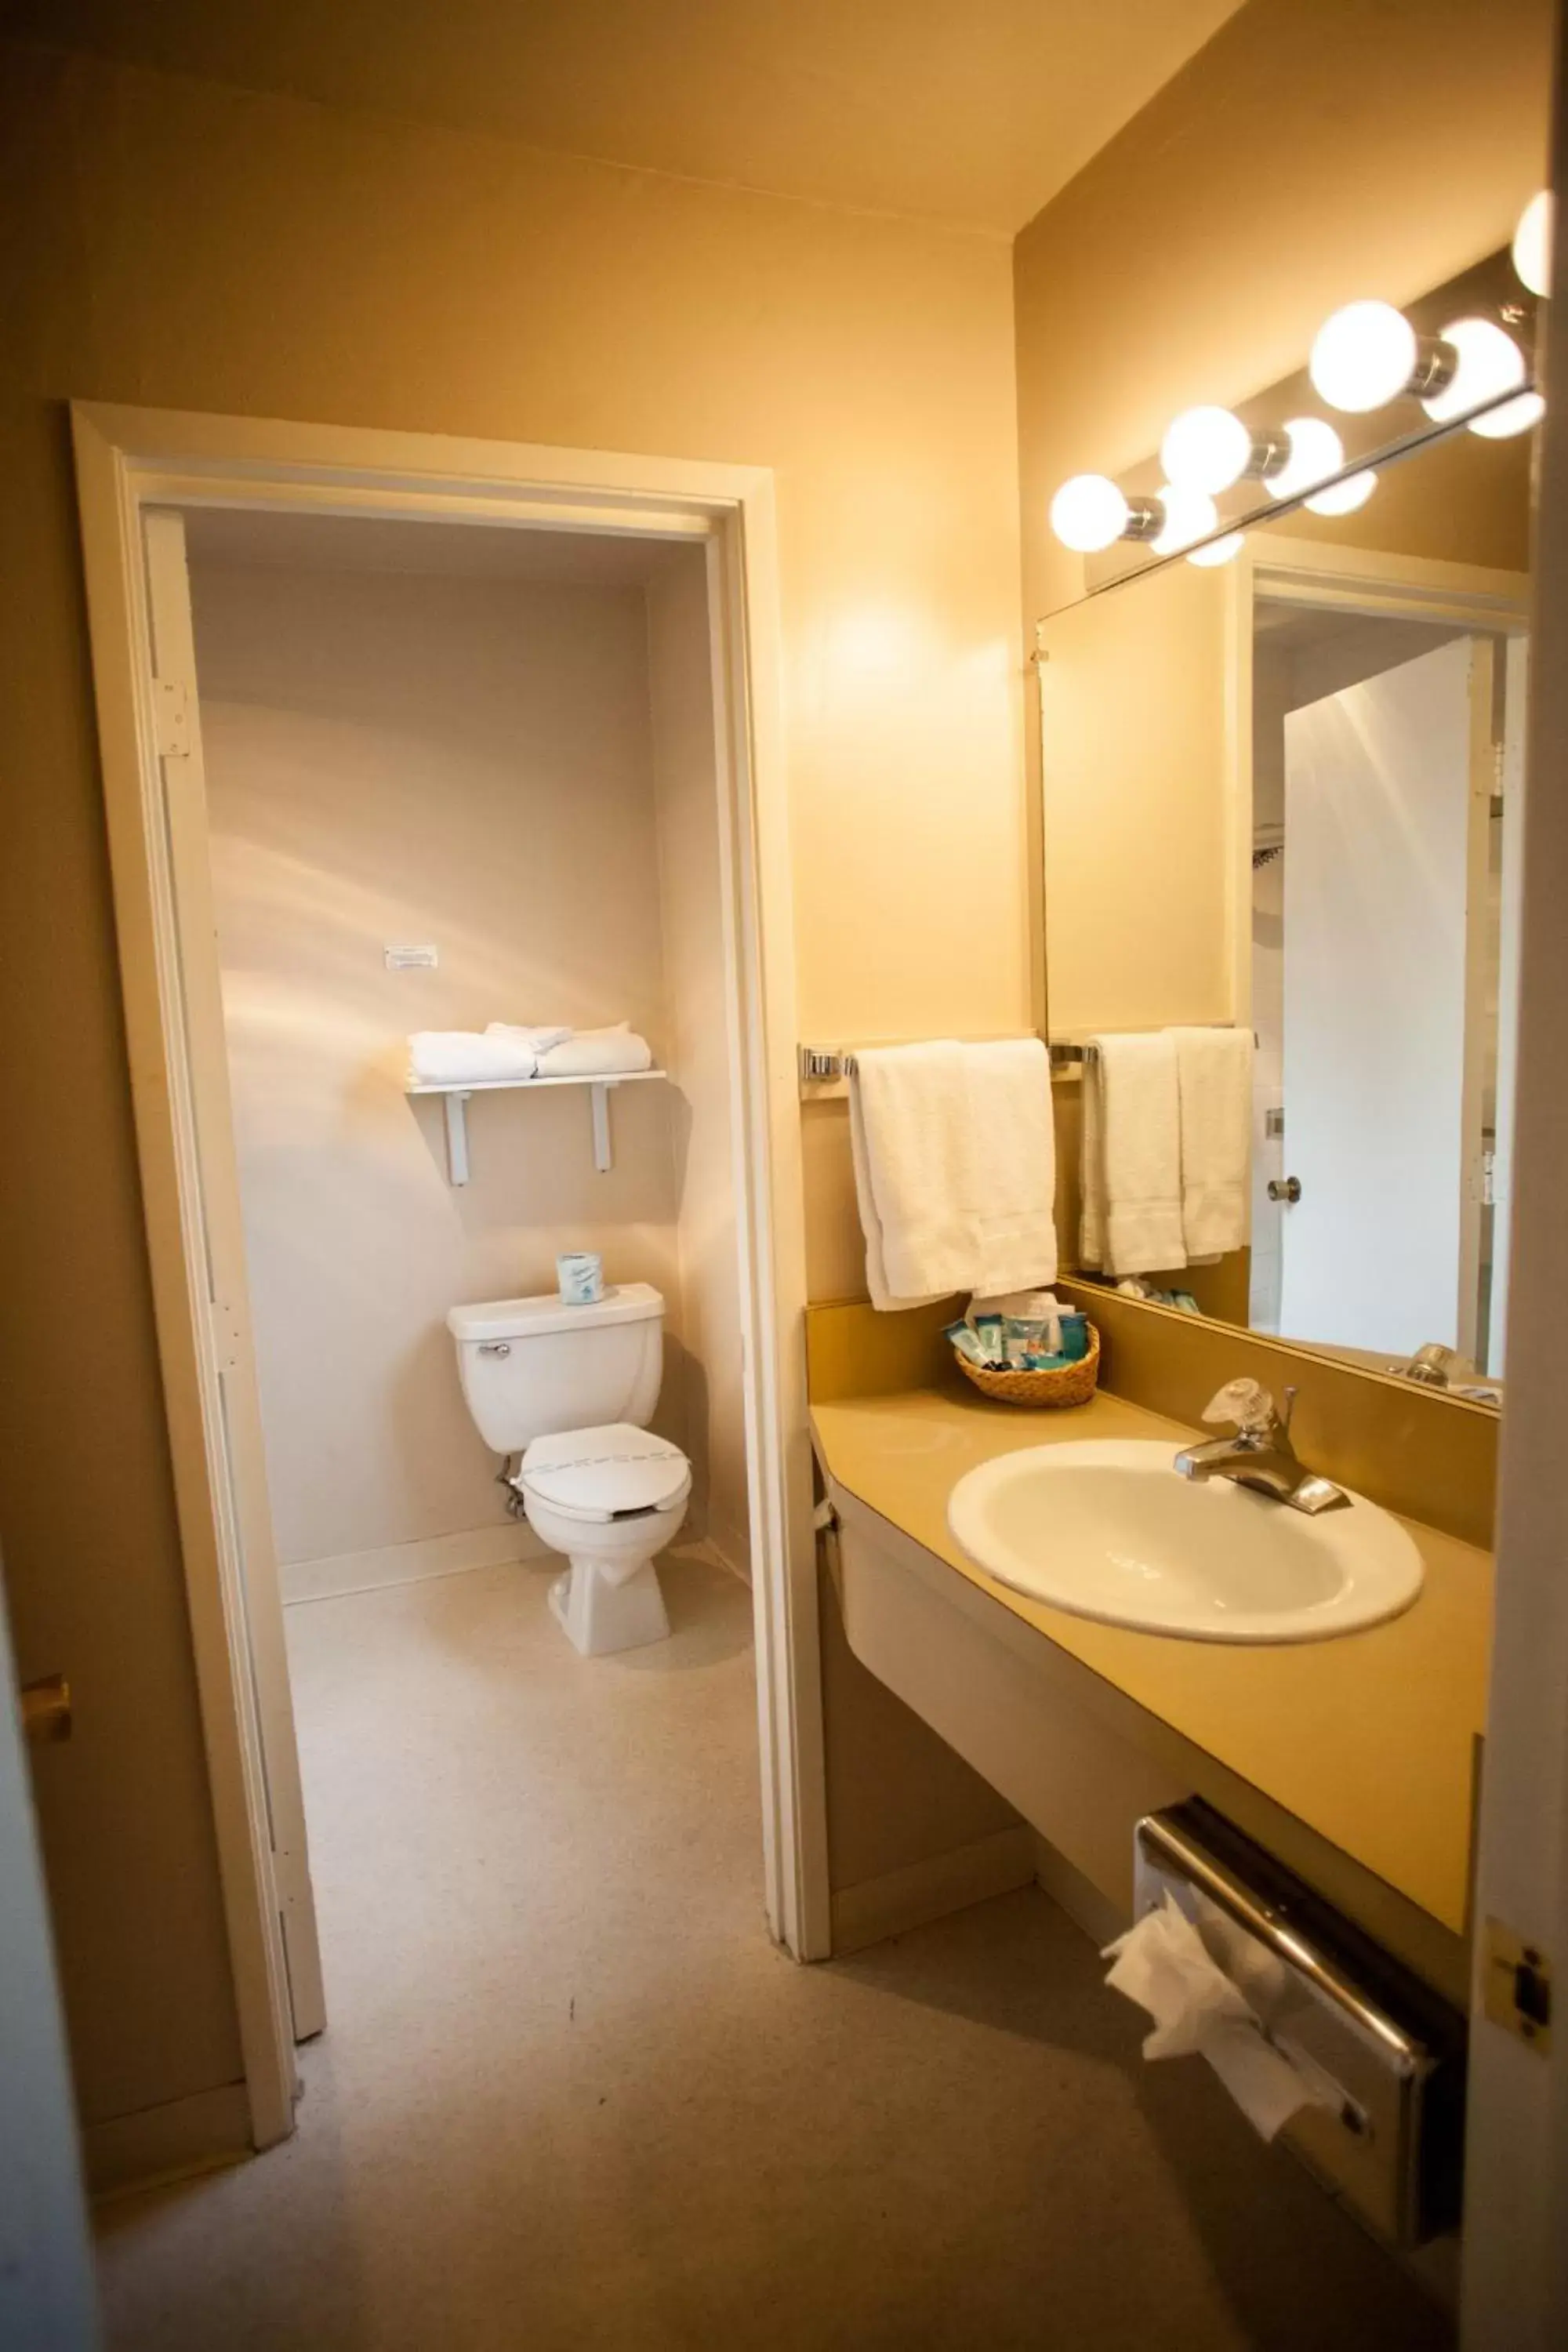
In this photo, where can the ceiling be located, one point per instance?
(232, 539)
(972, 112)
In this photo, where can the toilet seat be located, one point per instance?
(598, 1475)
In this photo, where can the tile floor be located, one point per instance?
(570, 2096)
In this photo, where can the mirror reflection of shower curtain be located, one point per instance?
(1382, 898)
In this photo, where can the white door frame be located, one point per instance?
(130, 459)
(1326, 577)
(1515, 2277)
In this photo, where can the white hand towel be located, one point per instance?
(438, 1057)
(1012, 1180)
(1215, 1076)
(597, 1052)
(541, 1039)
(908, 1139)
(1131, 1155)
(954, 1169)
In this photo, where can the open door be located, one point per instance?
(237, 1459)
(1387, 809)
(46, 2298)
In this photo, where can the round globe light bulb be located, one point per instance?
(1189, 515)
(1219, 551)
(1206, 449)
(1513, 416)
(1089, 513)
(1489, 362)
(1364, 356)
(1315, 451)
(1343, 497)
(1532, 242)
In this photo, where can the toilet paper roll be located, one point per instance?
(1161, 1964)
(580, 1277)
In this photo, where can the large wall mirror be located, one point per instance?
(1283, 794)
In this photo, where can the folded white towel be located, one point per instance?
(1133, 1155)
(447, 1056)
(596, 1053)
(1213, 1069)
(541, 1039)
(954, 1169)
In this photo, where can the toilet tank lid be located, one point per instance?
(535, 1319)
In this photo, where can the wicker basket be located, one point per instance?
(1060, 1384)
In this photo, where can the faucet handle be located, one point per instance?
(1247, 1405)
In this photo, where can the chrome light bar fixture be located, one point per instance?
(1366, 356)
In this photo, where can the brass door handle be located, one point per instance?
(47, 1710)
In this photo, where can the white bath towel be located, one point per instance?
(438, 1057)
(1133, 1155)
(597, 1052)
(1214, 1070)
(954, 1169)
(540, 1037)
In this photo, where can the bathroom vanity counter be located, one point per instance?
(1368, 1739)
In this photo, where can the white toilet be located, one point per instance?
(569, 1388)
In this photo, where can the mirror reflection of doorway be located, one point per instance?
(1385, 848)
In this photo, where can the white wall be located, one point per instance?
(467, 763)
(686, 796)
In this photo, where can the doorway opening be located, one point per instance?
(403, 737)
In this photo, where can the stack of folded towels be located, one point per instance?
(508, 1051)
(1167, 1131)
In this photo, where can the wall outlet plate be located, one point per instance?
(411, 959)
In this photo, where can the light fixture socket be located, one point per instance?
(1436, 365)
(1145, 518)
(1268, 457)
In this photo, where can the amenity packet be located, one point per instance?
(967, 1342)
(991, 1330)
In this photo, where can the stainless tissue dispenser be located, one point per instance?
(1389, 2145)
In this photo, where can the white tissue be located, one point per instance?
(1163, 1965)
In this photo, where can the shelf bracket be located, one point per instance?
(454, 1105)
(599, 1102)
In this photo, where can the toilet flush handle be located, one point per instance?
(495, 1346)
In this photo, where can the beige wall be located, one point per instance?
(465, 762)
(691, 901)
(187, 246)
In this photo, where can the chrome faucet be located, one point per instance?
(1260, 1454)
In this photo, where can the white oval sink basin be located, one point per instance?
(1108, 1528)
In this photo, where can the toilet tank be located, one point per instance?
(532, 1366)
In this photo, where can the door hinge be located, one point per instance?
(228, 1336)
(1518, 1986)
(172, 718)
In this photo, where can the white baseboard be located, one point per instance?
(410, 1563)
(167, 2142)
(733, 1545)
(901, 1899)
(709, 1550)
(1080, 1898)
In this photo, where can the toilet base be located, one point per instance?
(599, 1617)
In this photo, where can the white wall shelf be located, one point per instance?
(455, 1096)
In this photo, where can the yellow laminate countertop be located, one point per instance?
(1367, 1737)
